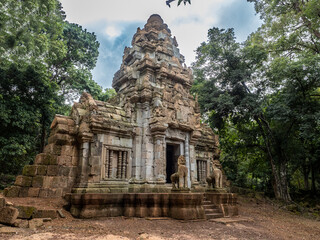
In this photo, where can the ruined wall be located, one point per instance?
(54, 171)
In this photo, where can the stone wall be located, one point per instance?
(54, 171)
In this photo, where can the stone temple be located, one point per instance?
(116, 158)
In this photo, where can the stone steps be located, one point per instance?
(211, 211)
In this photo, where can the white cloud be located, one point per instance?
(113, 31)
(188, 23)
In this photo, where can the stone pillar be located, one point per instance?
(147, 145)
(84, 164)
(188, 163)
(159, 158)
(136, 163)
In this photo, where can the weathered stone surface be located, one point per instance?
(23, 181)
(35, 223)
(52, 149)
(8, 215)
(23, 192)
(33, 192)
(2, 202)
(45, 159)
(46, 213)
(9, 230)
(25, 212)
(37, 181)
(65, 160)
(21, 223)
(61, 139)
(29, 170)
(41, 170)
(53, 170)
(185, 206)
(12, 191)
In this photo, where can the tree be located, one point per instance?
(44, 61)
(228, 87)
(179, 2)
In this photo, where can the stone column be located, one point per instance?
(188, 163)
(83, 164)
(159, 158)
(136, 160)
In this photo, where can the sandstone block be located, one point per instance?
(25, 212)
(59, 120)
(37, 181)
(29, 170)
(35, 223)
(13, 191)
(23, 181)
(50, 192)
(41, 170)
(73, 172)
(21, 223)
(8, 215)
(61, 128)
(65, 160)
(71, 123)
(53, 149)
(33, 192)
(53, 170)
(45, 159)
(23, 192)
(64, 171)
(75, 161)
(67, 150)
(61, 139)
(46, 213)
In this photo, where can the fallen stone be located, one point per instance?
(46, 219)
(61, 213)
(9, 204)
(21, 223)
(26, 212)
(45, 213)
(35, 223)
(8, 215)
(9, 230)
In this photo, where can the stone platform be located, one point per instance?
(186, 206)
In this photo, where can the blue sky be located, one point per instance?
(115, 21)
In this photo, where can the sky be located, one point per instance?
(115, 21)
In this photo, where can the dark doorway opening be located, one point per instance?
(172, 154)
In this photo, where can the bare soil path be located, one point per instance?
(265, 222)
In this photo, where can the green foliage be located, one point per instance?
(24, 98)
(262, 97)
(45, 61)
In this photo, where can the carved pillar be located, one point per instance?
(84, 164)
(119, 164)
(124, 165)
(159, 158)
(110, 164)
(188, 163)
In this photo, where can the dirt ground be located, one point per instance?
(261, 220)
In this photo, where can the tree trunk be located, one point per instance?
(313, 179)
(306, 171)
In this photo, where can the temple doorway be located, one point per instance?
(172, 154)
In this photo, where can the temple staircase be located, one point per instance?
(211, 211)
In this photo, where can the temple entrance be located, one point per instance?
(172, 154)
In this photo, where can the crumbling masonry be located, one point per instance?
(130, 144)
